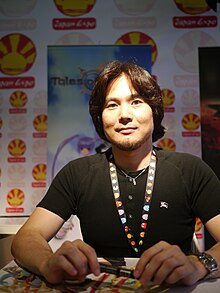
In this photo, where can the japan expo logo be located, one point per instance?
(40, 122)
(192, 7)
(198, 225)
(167, 144)
(191, 121)
(15, 197)
(16, 147)
(18, 99)
(138, 38)
(74, 7)
(17, 54)
(39, 172)
(168, 97)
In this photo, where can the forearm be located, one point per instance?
(31, 250)
(202, 271)
(215, 252)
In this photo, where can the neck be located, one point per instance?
(131, 161)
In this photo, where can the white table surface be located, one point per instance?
(211, 286)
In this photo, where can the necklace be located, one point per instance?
(133, 179)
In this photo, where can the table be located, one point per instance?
(15, 279)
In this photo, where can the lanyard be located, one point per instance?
(146, 205)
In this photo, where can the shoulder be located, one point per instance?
(175, 156)
(172, 156)
(85, 164)
(182, 161)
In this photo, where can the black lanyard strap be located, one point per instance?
(146, 205)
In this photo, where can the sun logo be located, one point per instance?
(17, 54)
(16, 147)
(39, 172)
(18, 99)
(15, 197)
(40, 122)
(167, 144)
(191, 121)
(198, 225)
(74, 7)
(138, 38)
(192, 7)
(168, 97)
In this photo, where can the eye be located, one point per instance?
(111, 105)
(137, 101)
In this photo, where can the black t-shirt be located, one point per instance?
(185, 188)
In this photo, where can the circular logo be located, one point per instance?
(39, 147)
(16, 172)
(18, 123)
(138, 38)
(191, 121)
(186, 49)
(18, 99)
(134, 7)
(16, 148)
(167, 144)
(198, 225)
(74, 39)
(15, 197)
(192, 146)
(9, 8)
(40, 99)
(190, 97)
(39, 172)
(17, 54)
(168, 97)
(192, 7)
(40, 122)
(74, 8)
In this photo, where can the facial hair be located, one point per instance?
(127, 145)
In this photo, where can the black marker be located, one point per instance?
(119, 272)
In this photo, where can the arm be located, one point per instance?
(73, 260)
(167, 263)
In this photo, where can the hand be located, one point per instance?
(167, 263)
(72, 261)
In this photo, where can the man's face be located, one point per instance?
(127, 118)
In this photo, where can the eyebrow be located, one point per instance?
(130, 97)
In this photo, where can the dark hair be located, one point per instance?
(142, 83)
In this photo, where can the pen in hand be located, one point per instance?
(119, 272)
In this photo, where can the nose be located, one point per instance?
(125, 114)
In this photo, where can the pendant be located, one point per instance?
(132, 180)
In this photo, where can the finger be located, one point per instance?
(76, 258)
(146, 257)
(58, 268)
(91, 256)
(170, 267)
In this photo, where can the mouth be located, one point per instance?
(126, 130)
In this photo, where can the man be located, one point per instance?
(133, 200)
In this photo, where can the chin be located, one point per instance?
(127, 146)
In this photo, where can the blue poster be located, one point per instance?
(72, 71)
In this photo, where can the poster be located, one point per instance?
(72, 71)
